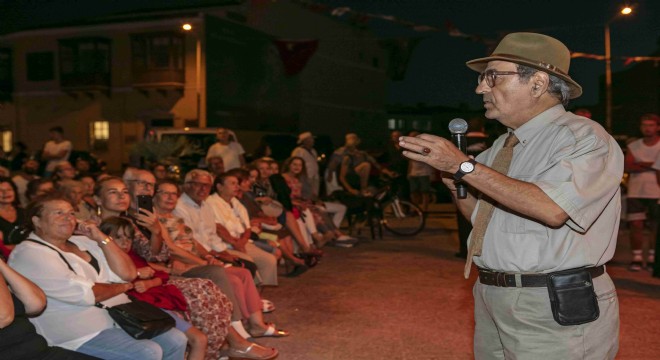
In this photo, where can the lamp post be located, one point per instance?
(198, 74)
(608, 70)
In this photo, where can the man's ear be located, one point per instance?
(540, 81)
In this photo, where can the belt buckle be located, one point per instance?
(497, 279)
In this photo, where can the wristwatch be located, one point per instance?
(465, 168)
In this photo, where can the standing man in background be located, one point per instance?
(56, 150)
(643, 190)
(228, 148)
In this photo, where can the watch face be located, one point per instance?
(467, 167)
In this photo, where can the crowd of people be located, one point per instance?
(202, 249)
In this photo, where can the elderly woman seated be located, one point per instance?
(20, 297)
(112, 197)
(75, 273)
(198, 300)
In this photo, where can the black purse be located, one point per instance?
(572, 297)
(139, 319)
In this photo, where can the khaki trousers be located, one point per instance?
(266, 264)
(517, 323)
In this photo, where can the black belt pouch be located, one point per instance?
(572, 297)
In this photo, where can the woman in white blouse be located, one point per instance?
(76, 272)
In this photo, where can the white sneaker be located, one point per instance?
(343, 244)
(347, 242)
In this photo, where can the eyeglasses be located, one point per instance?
(167, 193)
(491, 75)
(143, 183)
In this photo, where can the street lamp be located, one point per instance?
(608, 70)
(198, 71)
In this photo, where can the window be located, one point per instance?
(158, 58)
(391, 124)
(6, 79)
(157, 51)
(99, 134)
(40, 66)
(85, 62)
(7, 141)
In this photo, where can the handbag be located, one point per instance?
(572, 297)
(140, 319)
(272, 209)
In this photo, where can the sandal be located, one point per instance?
(247, 354)
(267, 306)
(272, 331)
(310, 259)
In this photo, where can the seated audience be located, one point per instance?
(38, 187)
(28, 172)
(199, 215)
(302, 196)
(112, 196)
(12, 217)
(75, 273)
(63, 171)
(74, 191)
(266, 227)
(198, 300)
(266, 193)
(20, 298)
(247, 297)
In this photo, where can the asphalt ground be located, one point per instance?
(406, 298)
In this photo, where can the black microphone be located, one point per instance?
(458, 127)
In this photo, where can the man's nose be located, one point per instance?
(482, 87)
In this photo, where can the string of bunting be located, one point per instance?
(360, 19)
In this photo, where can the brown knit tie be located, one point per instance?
(486, 206)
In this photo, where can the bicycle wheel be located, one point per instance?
(402, 217)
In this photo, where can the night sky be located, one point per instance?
(436, 74)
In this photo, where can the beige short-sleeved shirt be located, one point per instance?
(579, 166)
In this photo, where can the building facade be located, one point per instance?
(257, 67)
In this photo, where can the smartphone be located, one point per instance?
(145, 202)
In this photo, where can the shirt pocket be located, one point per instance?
(516, 224)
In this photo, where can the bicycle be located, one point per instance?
(400, 217)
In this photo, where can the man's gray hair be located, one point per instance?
(130, 174)
(196, 173)
(557, 87)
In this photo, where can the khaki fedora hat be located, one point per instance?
(538, 51)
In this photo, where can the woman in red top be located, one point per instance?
(155, 287)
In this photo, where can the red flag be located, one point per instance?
(295, 53)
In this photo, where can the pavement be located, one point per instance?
(406, 298)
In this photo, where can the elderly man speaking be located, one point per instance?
(544, 202)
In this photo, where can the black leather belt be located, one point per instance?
(501, 279)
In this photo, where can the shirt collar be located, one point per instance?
(529, 129)
(190, 202)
